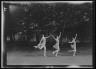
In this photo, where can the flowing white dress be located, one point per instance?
(56, 46)
(74, 45)
(42, 44)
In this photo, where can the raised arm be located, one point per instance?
(60, 35)
(75, 37)
(71, 41)
(47, 37)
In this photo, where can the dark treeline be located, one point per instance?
(27, 22)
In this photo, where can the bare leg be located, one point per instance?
(70, 50)
(74, 53)
(35, 46)
(74, 50)
(53, 52)
(44, 51)
(72, 46)
(56, 53)
(38, 46)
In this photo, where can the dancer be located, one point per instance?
(42, 44)
(56, 46)
(73, 45)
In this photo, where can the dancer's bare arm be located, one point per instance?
(53, 36)
(47, 37)
(70, 42)
(60, 35)
(75, 37)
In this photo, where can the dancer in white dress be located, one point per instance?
(42, 44)
(56, 46)
(73, 45)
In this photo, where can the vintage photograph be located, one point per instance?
(47, 33)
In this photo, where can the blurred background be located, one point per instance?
(25, 24)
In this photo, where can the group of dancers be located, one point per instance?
(42, 44)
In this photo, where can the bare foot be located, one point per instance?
(53, 52)
(56, 55)
(44, 56)
(73, 55)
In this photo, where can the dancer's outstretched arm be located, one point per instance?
(60, 35)
(53, 36)
(70, 42)
(47, 37)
